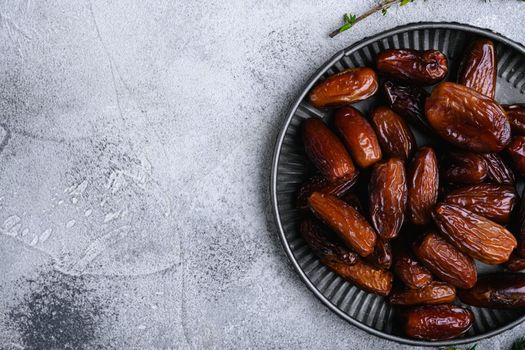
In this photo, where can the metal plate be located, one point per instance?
(364, 310)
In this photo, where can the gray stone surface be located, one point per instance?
(135, 157)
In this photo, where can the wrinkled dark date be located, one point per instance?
(358, 135)
(463, 167)
(423, 184)
(516, 263)
(493, 201)
(467, 119)
(323, 246)
(437, 322)
(321, 184)
(516, 115)
(349, 86)
(431, 294)
(419, 67)
(408, 101)
(382, 255)
(497, 170)
(478, 68)
(326, 151)
(445, 261)
(364, 275)
(396, 138)
(388, 197)
(516, 151)
(500, 290)
(411, 272)
(479, 237)
(346, 221)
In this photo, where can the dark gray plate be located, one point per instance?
(364, 310)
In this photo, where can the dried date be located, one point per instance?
(388, 197)
(411, 272)
(326, 151)
(323, 246)
(321, 184)
(479, 237)
(501, 290)
(396, 138)
(364, 275)
(431, 294)
(419, 67)
(408, 101)
(445, 261)
(464, 167)
(344, 88)
(437, 322)
(478, 68)
(493, 201)
(346, 221)
(423, 184)
(467, 119)
(358, 135)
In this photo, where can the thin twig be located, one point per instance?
(384, 5)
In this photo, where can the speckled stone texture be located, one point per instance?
(136, 141)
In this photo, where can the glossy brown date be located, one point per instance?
(408, 101)
(320, 184)
(516, 263)
(346, 221)
(388, 197)
(516, 115)
(423, 184)
(516, 151)
(323, 246)
(478, 68)
(467, 119)
(445, 261)
(412, 273)
(493, 201)
(501, 290)
(419, 67)
(432, 294)
(464, 167)
(437, 322)
(326, 151)
(396, 138)
(364, 275)
(382, 255)
(358, 135)
(479, 237)
(349, 86)
(497, 170)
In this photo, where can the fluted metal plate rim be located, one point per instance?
(277, 153)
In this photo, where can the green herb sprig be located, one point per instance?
(520, 343)
(473, 347)
(350, 19)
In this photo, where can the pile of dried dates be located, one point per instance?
(407, 221)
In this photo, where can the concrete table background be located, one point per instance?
(136, 139)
